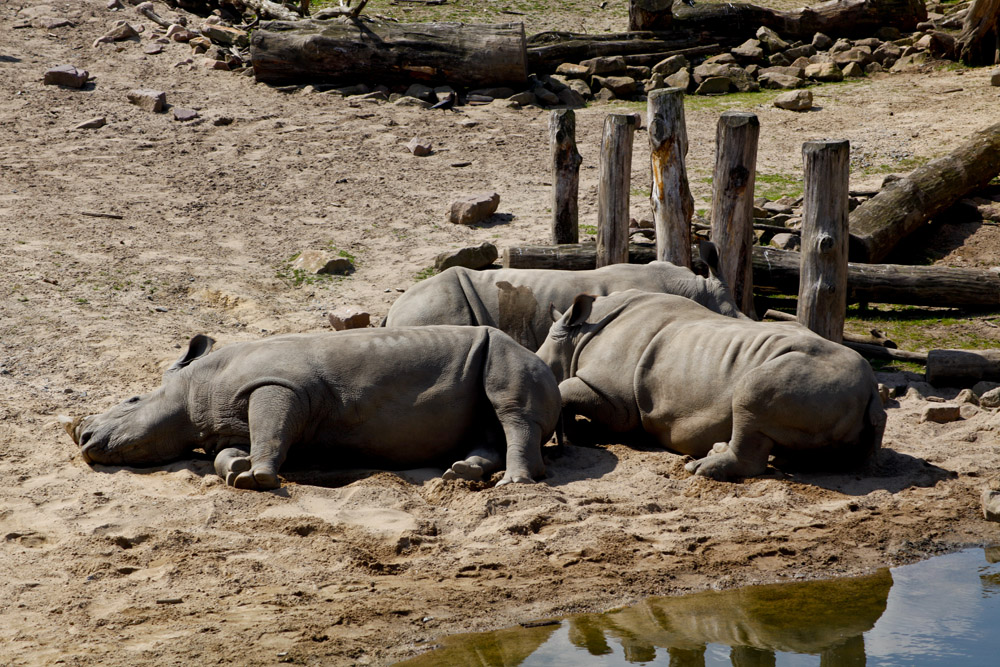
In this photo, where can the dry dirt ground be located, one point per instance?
(118, 566)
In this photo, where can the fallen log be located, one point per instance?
(902, 207)
(778, 271)
(979, 41)
(735, 22)
(962, 368)
(548, 50)
(468, 55)
(874, 337)
(650, 59)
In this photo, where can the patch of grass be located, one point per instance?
(298, 277)
(589, 229)
(918, 328)
(640, 192)
(776, 186)
(423, 274)
(901, 165)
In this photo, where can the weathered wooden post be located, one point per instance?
(823, 274)
(670, 197)
(732, 202)
(565, 176)
(615, 177)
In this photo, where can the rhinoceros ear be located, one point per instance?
(198, 347)
(583, 304)
(709, 255)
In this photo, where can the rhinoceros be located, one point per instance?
(400, 398)
(517, 300)
(695, 380)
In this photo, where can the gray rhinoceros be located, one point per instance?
(396, 398)
(696, 380)
(517, 300)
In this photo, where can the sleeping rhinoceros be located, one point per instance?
(696, 380)
(400, 398)
(517, 300)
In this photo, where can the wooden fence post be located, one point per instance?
(565, 176)
(670, 196)
(613, 188)
(732, 202)
(823, 274)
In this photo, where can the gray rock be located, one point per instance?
(803, 51)
(919, 390)
(475, 209)
(579, 86)
(788, 70)
(407, 101)
(776, 208)
(545, 96)
(223, 34)
(670, 65)
(853, 70)
(120, 32)
(991, 505)
(871, 42)
(967, 396)
(524, 99)
(655, 82)
(873, 68)
(795, 100)
(786, 241)
(706, 70)
(556, 82)
(573, 71)
(152, 49)
(803, 63)
(749, 50)
(770, 41)
(621, 86)
(605, 65)
(213, 64)
(474, 257)
(941, 413)
(887, 33)
(779, 81)
(824, 72)
(419, 147)
(995, 77)
(349, 318)
(572, 98)
(318, 262)
(65, 75)
(680, 79)
(861, 55)
(821, 42)
(148, 100)
(421, 92)
(722, 59)
(183, 114)
(92, 124)
(742, 80)
(841, 45)
(714, 85)
(779, 59)
(638, 72)
(910, 62)
(990, 399)
(885, 52)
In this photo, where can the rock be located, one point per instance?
(200, 44)
(637, 72)
(841, 45)
(680, 79)
(990, 399)
(968, 410)
(212, 63)
(871, 42)
(498, 93)
(909, 62)
(873, 68)
(349, 318)
(223, 34)
(749, 50)
(796, 100)
(821, 42)
(183, 114)
(407, 101)
(547, 97)
(778, 59)
(786, 241)
(788, 70)
(419, 147)
(706, 70)
(572, 98)
(803, 51)
(557, 82)
(523, 99)
(824, 72)
(580, 87)
(779, 81)
(714, 85)
(148, 100)
(885, 52)
(604, 65)
(421, 92)
(604, 95)
(967, 396)
(318, 262)
(123, 30)
(742, 80)
(655, 82)
(222, 121)
(621, 86)
(670, 65)
(803, 63)
(859, 54)
(573, 71)
(722, 59)
(887, 33)
(152, 49)
(180, 34)
(92, 124)
(995, 77)
(475, 209)
(774, 208)
(941, 413)
(65, 75)
(770, 41)
(919, 390)
(474, 257)
(991, 505)
(853, 70)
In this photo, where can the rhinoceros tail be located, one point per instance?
(479, 314)
(875, 420)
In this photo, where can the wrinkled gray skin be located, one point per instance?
(400, 398)
(517, 300)
(727, 392)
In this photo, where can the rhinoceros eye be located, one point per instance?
(134, 399)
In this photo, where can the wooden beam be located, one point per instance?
(614, 181)
(565, 176)
(670, 195)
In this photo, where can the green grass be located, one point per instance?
(298, 277)
(902, 165)
(589, 229)
(423, 274)
(917, 328)
(776, 186)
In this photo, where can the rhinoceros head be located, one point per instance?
(144, 430)
(559, 346)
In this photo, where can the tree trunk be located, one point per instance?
(836, 18)
(650, 14)
(614, 180)
(390, 53)
(548, 50)
(565, 176)
(670, 195)
(902, 208)
(823, 281)
(778, 271)
(962, 368)
(979, 42)
(732, 201)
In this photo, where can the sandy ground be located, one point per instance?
(121, 566)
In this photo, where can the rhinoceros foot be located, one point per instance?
(516, 479)
(723, 465)
(477, 466)
(231, 462)
(256, 479)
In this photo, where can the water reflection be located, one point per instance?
(941, 611)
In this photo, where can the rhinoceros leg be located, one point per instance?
(275, 416)
(524, 450)
(579, 398)
(479, 464)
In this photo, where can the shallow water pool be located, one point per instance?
(942, 611)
